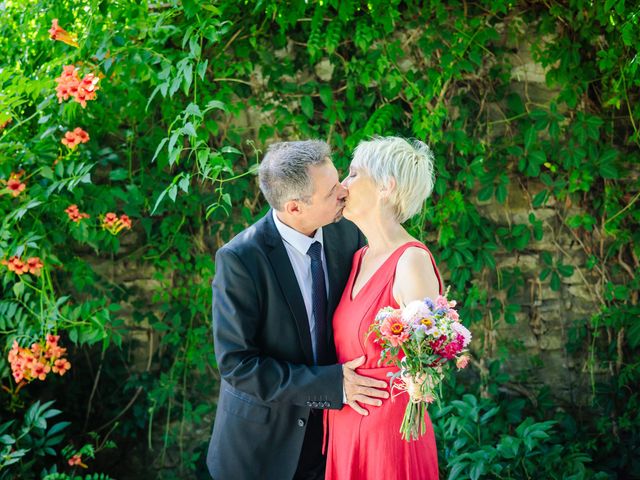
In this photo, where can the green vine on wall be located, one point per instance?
(190, 94)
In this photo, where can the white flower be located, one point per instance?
(414, 312)
(462, 330)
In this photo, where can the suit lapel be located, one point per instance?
(337, 263)
(285, 276)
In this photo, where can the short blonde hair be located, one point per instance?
(410, 164)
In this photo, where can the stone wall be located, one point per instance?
(538, 355)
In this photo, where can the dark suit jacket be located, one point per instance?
(263, 348)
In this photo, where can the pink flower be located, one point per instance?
(462, 362)
(453, 315)
(442, 302)
(395, 330)
(447, 350)
(463, 332)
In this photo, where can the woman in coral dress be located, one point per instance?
(388, 181)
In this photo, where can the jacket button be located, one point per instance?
(301, 422)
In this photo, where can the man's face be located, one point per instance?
(328, 197)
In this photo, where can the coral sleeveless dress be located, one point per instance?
(370, 447)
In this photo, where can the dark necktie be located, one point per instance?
(319, 302)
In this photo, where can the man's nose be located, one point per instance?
(342, 190)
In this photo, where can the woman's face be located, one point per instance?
(363, 193)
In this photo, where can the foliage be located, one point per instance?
(188, 95)
(484, 438)
(34, 437)
(63, 476)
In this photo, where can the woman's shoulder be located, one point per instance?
(415, 257)
(416, 275)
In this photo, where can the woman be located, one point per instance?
(388, 181)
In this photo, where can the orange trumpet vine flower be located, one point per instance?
(58, 33)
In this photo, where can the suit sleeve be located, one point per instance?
(236, 323)
(362, 241)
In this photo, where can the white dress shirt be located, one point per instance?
(297, 244)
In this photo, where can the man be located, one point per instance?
(276, 286)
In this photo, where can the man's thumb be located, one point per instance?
(355, 363)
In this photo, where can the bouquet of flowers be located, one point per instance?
(420, 340)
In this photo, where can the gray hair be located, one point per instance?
(284, 171)
(410, 164)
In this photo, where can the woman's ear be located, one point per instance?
(388, 187)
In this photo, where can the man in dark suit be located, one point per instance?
(276, 286)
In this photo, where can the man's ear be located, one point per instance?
(292, 207)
